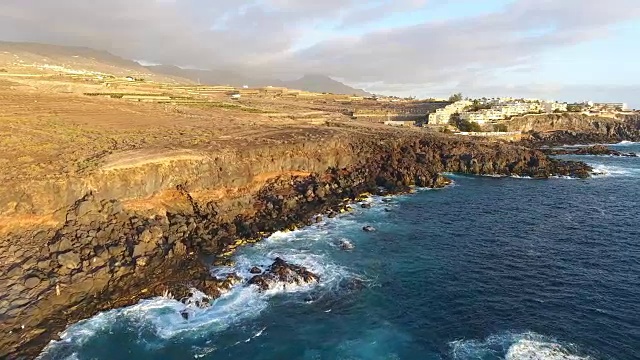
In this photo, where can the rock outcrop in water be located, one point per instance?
(346, 245)
(139, 232)
(284, 275)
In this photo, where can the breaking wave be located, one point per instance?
(510, 346)
(601, 170)
(627, 143)
(621, 143)
(160, 318)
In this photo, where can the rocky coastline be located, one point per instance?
(107, 253)
(600, 150)
(558, 130)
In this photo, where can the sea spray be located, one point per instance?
(515, 346)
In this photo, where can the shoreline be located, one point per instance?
(345, 208)
(168, 249)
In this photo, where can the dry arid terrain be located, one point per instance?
(55, 126)
(46, 132)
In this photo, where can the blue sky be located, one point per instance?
(563, 49)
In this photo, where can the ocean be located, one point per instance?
(488, 268)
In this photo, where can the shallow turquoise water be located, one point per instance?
(489, 268)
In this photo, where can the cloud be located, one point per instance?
(430, 52)
(266, 37)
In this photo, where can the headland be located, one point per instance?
(112, 196)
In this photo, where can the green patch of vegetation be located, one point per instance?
(500, 128)
(228, 106)
(180, 97)
(121, 95)
(455, 97)
(464, 125)
(477, 106)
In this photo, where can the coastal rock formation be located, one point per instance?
(285, 275)
(589, 150)
(572, 128)
(346, 244)
(71, 248)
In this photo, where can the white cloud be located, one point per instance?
(263, 36)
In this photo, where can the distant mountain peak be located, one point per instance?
(103, 61)
(308, 82)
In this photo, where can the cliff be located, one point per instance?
(572, 128)
(142, 224)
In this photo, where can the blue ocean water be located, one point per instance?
(489, 268)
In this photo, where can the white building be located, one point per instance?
(483, 116)
(443, 115)
(611, 106)
(477, 117)
(552, 106)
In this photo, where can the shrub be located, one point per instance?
(465, 125)
(500, 128)
(455, 97)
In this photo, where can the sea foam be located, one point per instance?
(600, 170)
(515, 346)
(309, 247)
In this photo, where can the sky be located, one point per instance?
(568, 50)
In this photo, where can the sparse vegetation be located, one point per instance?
(500, 128)
(120, 95)
(464, 125)
(575, 108)
(477, 106)
(228, 106)
(455, 97)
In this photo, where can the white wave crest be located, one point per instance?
(512, 346)
(162, 316)
(301, 247)
(535, 350)
(621, 143)
(600, 170)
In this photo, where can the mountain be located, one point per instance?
(314, 83)
(46, 58)
(212, 77)
(34, 57)
(321, 83)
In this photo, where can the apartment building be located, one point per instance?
(483, 116)
(552, 106)
(610, 106)
(443, 115)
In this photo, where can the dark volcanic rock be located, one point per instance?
(368, 228)
(589, 150)
(105, 255)
(255, 270)
(587, 130)
(281, 273)
(346, 245)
